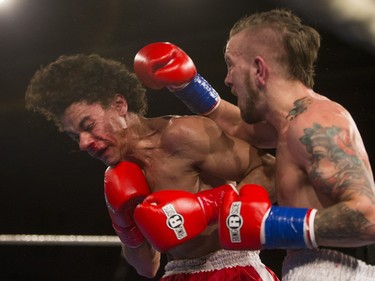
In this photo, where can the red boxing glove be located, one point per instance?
(169, 218)
(124, 188)
(240, 218)
(163, 64)
(248, 221)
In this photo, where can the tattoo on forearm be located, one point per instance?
(340, 222)
(335, 165)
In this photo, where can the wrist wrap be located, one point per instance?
(289, 228)
(199, 96)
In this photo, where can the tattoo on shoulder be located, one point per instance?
(300, 106)
(335, 165)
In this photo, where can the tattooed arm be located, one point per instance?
(338, 168)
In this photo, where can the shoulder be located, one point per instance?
(189, 130)
(190, 126)
(320, 125)
(324, 113)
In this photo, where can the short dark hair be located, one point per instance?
(82, 78)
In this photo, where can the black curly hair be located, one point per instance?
(77, 78)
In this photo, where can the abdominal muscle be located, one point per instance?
(199, 246)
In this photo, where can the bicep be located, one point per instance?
(336, 167)
(229, 158)
(202, 145)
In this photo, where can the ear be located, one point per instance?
(120, 104)
(261, 71)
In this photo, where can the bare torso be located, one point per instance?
(170, 172)
(295, 165)
(168, 168)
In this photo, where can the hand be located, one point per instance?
(169, 218)
(163, 64)
(124, 188)
(248, 221)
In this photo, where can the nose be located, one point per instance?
(228, 80)
(85, 141)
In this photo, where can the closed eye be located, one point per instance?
(74, 137)
(90, 127)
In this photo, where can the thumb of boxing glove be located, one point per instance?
(163, 64)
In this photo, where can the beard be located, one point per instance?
(249, 112)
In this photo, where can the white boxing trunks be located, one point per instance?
(222, 265)
(325, 264)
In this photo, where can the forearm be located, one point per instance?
(163, 64)
(124, 188)
(228, 117)
(263, 174)
(145, 259)
(346, 224)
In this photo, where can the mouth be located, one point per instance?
(98, 154)
(233, 92)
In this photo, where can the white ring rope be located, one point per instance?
(59, 240)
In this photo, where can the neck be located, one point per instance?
(140, 138)
(286, 100)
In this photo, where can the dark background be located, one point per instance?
(49, 187)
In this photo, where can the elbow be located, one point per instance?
(147, 273)
(149, 270)
(144, 259)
